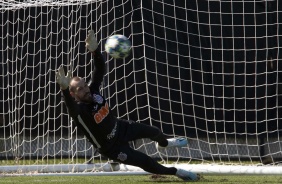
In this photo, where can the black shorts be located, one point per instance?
(130, 131)
(122, 152)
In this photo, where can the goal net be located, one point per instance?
(208, 70)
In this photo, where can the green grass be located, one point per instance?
(139, 179)
(128, 179)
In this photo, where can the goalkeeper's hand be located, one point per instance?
(62, 79)
(90, 42)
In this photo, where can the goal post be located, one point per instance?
(208, 70)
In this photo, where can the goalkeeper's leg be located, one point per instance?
(126, 155)
(139, 131)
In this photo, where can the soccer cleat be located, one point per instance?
(187, 175)
(91, 42)
(174, 142)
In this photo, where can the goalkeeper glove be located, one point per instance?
(63, 80)
(91, 42)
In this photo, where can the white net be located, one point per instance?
(206, 70)
(20, 4)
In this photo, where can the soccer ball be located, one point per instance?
(118, 46)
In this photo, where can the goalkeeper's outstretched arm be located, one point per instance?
(99, 64)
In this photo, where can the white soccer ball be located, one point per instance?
(118, 46)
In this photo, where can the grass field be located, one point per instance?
(131, 179)
(139, 179)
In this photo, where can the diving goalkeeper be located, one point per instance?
(108, 134)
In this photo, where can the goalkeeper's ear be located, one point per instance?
(71, 89)
(72, 94)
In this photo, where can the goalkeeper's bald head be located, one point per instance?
(80, 90)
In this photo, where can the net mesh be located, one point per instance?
(205, 70)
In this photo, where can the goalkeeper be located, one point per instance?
(108, 134)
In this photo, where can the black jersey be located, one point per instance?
(94, 119)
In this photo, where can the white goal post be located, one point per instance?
(207, 70)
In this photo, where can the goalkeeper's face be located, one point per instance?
(81, 91)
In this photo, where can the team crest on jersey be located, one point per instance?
(122, 156)
(98, 98)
